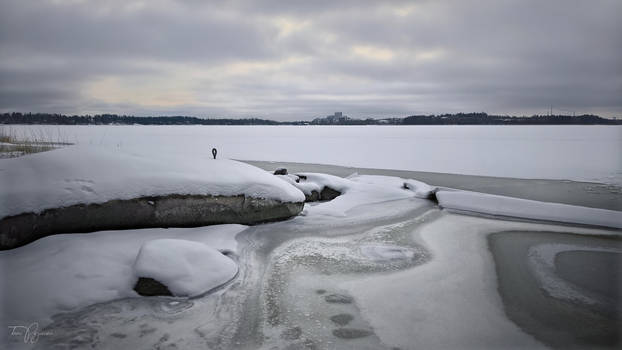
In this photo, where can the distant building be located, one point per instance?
(338, 117)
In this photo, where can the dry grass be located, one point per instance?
(12, 145)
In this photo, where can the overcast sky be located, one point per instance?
(293, 60)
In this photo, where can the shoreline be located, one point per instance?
(586, 194)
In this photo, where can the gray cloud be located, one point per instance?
(300, 59)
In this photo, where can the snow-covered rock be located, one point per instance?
(65, 272)
(86, 189)
(186, 268)
(89, 174)
(356, 190)
(527, 209)
(315, 186)
(421, 189)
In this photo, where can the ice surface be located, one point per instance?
(451, 302)
(91, 174)
(187, 268)
(384, 252)
(542, 263)
(584, 153)
(64, 272)
(528, 209)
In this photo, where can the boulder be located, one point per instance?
(181, 268)
(161, 211)
(149, 287)
(328, 194)
(280, 171)
(313, 197)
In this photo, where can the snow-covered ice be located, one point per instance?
(63, 272)
(92, 174)
(415, 275)
(186, 268)
(451, 302)
(527, 209)
(583, 152)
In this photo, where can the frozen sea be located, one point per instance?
(579, 153)
(372, 269)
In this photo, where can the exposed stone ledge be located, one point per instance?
(162, 211)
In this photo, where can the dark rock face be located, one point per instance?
(280, 171)
(313, 197)
(148, 287)
(328, 194)
(163, 211)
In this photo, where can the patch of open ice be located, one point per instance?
(542, 263)
(451, 302)
(187, 268)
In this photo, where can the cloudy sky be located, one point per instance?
(298, 59)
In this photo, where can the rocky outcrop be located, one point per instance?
(149, 287)
(328, 194)
(162, 211)
(313, 197)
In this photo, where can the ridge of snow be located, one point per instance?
(528, 209)
(90, 174)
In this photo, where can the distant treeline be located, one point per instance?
(485, 119)
(112, 119)
(443, 119)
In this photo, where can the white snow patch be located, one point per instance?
(64, 272)
(421, 189)
(187, 268)
(451, 302)
(305, 186)
(356, 191)
(528, 209)
(89, 174)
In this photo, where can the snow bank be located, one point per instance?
(528, 209)
(421, 189)
(89, 174)
(356, 190)
(305, 186)
(187, 268)
(64, 272)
